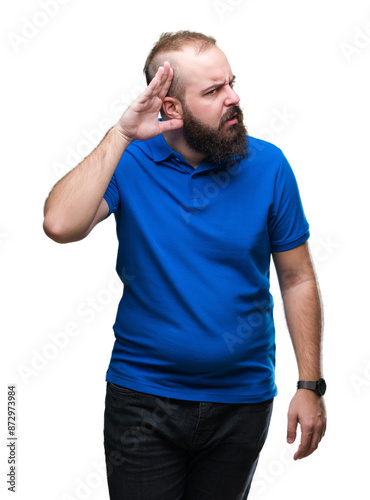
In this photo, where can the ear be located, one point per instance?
(172, 108)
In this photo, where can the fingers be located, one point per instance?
(168, 75)
(167, 125)
(305, 445)
(158, 87)
(161, 82)
(309, 443)
(292, 427)
(310, 439)
(157, 78)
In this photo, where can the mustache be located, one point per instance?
(233, 112)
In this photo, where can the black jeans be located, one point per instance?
(160, 448)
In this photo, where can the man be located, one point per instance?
(200, 207)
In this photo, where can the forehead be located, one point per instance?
(202, 70)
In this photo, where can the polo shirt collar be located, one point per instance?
(160, 149)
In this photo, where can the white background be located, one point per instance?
(67, 75)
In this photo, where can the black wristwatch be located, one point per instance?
(319, 386)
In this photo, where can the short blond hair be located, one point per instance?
(163, 49)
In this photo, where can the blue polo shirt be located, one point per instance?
(195, 321)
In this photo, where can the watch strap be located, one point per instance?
(305, 384)
(318, 386)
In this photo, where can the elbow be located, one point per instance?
(54, 231)
(61, 233)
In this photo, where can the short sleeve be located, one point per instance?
(288, 227)
(111, 195)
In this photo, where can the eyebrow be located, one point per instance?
(219, 84)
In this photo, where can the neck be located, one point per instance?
(175, 139)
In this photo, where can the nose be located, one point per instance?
(232, 98)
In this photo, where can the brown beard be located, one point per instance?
(225, 144)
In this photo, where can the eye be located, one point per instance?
(211, 92)
(232, 83)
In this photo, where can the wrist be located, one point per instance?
(317, 386)
(122, 136)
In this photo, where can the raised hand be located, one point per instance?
(140, 120)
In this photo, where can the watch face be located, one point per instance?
(321, 386)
